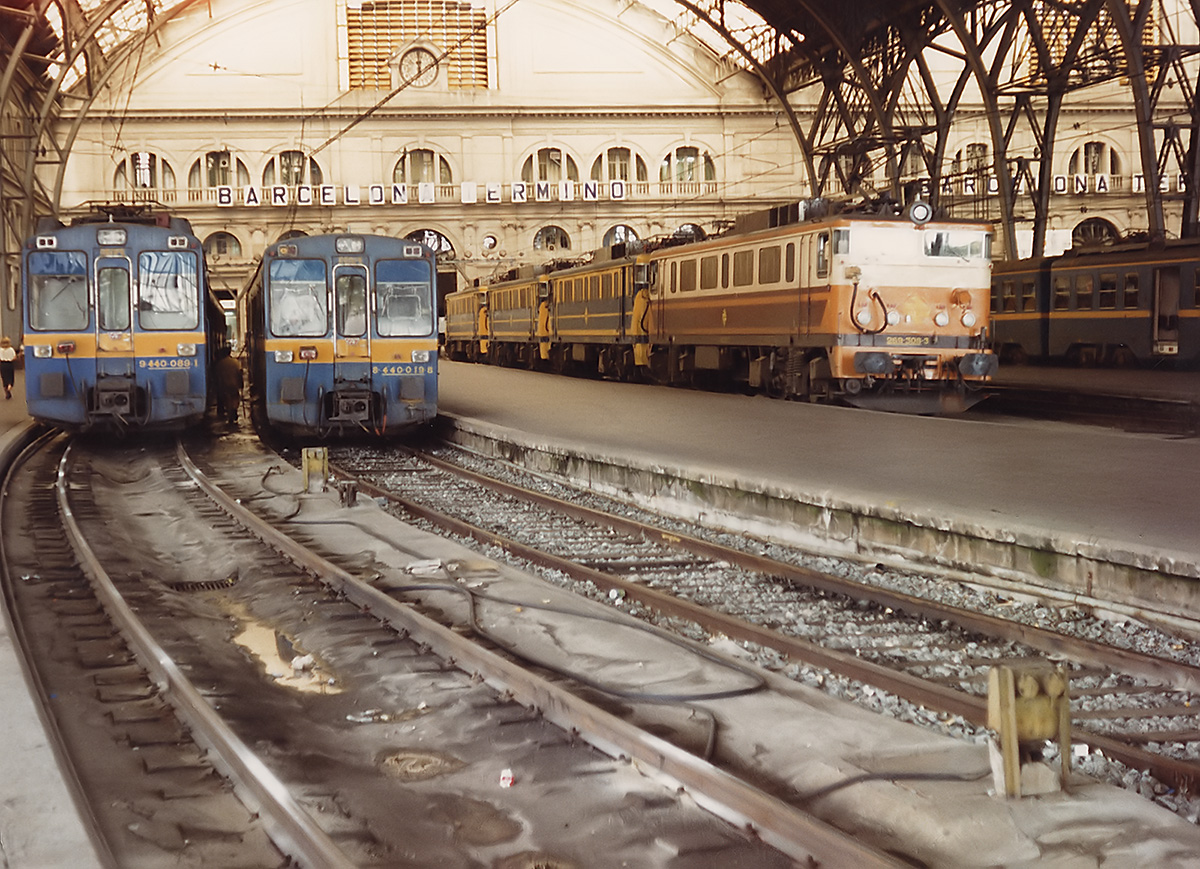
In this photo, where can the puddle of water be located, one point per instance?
(303, 673)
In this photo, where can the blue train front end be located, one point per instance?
(348, 339)
(115, 327)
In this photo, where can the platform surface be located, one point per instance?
(1120, 489)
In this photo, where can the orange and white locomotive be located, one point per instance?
(885, 311)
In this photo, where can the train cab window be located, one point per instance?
(724, 271)
(1062, 293)
(743, 268)
(768, 264)
(112, 299)
(1028, 295)
(1084, 292)
(841, 241)
(58, 290)
(687, 275)
(350, 298)
(1108, 291)
(168, 290)
(1008, 297)
(298, 297)
(403, 297)
(789, 262)
(822, 254)
(1131, 291)
(708, 272)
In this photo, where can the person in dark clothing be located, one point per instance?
(227, 375)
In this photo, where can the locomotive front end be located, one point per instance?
(913, 332)
(350, 341)
(114, 325)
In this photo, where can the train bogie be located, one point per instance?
(120, 326)
(343, 336)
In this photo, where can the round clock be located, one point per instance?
(418, 67)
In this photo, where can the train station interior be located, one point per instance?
(943, 517)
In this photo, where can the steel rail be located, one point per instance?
(780, 825)
(1180, 774)
(292, 829)
(1176, 674)
(14, 451)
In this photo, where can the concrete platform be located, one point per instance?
(40, 826)
(1097, 517)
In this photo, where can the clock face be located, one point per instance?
(418, 67)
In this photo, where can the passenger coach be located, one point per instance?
(342, 335)
(120, 326)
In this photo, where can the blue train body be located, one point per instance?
(342, 335)
(119, 324)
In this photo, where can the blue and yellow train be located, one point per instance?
(342, 336)
(120, 327)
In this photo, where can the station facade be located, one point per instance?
(499, 132)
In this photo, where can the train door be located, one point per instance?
(352, 346)
(115, 389)
(1165, 316)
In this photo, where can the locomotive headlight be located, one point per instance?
(941, 318)
(420, 356)
(308, 353)
(110, 237)
(893, 317)
(42, 351)
(969, 319)
(863, 316)
(348, 244)
(185, 349)
(283, 356)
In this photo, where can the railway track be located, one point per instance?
(1139, 708)
(161, 596)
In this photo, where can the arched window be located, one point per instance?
(292, 169)
(218, 169)
(1095, 158)
(912, 161)
(1094, 231)
(692, 231)
(434, 240)
(144, 170)
(620, 234)
(686, 164)
(222, 244)
(972, 160)
(619, 164)
(552, 164)
(552, 238)
(292, 233)
(420, 165)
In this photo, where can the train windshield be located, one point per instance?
(168, 290)
(298, 297)
(403, 297)
(960, 243)
(58, 290)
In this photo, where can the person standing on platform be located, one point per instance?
(8, 365)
